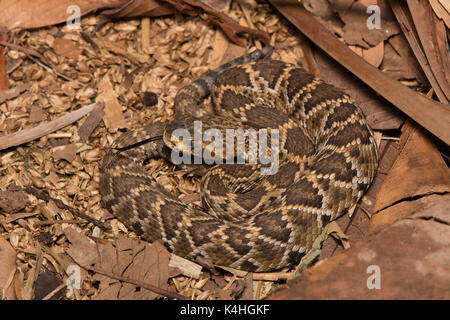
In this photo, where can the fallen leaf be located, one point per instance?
(418, 170)
(334, 230)
(128, 258)
(179, 265)
(67, 152)
(39, 13)
(373, 55)
(67, 48)
(430, 207)
(410, 259)
(356, 31)
(91, 122)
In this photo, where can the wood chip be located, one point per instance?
(67, 48)
(113, 117)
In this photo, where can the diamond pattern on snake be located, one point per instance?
(248, 220)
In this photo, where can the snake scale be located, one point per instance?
(328, 158)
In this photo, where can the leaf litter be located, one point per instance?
(53, 71)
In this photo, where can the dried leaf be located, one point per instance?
(67, 48)
(441, 11)
(67, 152)
(334, 230)
(418, 155)
(147, 263)
(91, 122)
(356, 31)
(39, 13)
(408, 260)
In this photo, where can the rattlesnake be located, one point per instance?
(328, 158)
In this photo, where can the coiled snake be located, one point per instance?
(249, 221)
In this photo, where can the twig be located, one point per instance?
(41, 60)
(271, 276)
(43, 65)
(90, 41)
(49, 222)
(168, 294)
(230, 27)
(54, 291)
(248, 18)
(27, 51)
(390, 138)
(44, 196)
(28, 135)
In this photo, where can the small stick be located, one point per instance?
(44, 196)
(55, 291)
(168, 294)
(33, 53)
(28, 135)
(27, 51)
(49, 222)
(272, 276)
(43, 65)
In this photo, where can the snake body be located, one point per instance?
(328, 158)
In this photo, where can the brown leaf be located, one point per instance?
(434, 206)
(39, 13)
(67, 48)
(356, 31)
(418, 170)
(373, 55)
(128, 258)
(441, 11)
(45, 283)
(67, 152)
(91, 122)
(433, 43)
(409, 66)
(411, 256)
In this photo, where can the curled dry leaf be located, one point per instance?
(418, 155)
(144, 262)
